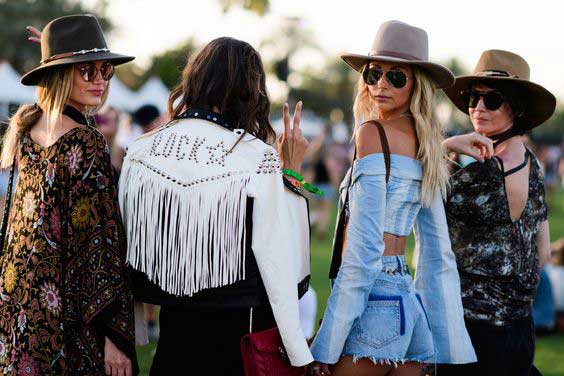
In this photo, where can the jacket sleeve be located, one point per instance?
(273, 244)
(361, 261)
(300, 228)
(438, 283)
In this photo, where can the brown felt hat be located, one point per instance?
(398, 42)
(69, 40)
(504, 66)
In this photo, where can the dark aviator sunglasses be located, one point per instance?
(395, 77)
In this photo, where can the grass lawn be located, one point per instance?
(550, 350)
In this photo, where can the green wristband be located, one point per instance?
(307, 186)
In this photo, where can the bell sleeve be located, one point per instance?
(361, 261)
(98, 293)
(438, 283)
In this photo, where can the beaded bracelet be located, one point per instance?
(297, 187)
(307, 186)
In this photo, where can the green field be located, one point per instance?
(550, 350)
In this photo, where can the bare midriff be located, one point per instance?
(394, 245)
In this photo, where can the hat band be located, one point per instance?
(400, 55)
(74, 53)
(496, 73)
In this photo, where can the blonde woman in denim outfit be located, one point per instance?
(378, 321)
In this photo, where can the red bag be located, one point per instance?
(264, 355)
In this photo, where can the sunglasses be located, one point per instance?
(492, 100)
(90, 71)
(395, 77)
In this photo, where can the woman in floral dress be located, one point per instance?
(66, 307)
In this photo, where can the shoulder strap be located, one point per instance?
(385, 146)
(342, 216)
(385, 150)
(520, 167)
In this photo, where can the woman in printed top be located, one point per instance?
(66, 305)
(378, 321)
(221, 240)
(497, 213)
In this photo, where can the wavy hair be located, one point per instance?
(431, 152)
(53, 93)
(227, 74)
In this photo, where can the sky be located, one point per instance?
(462, 29)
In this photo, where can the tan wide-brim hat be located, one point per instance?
(398, 42)
(504, 66)
(69, 40)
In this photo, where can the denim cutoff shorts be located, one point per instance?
(393, 327)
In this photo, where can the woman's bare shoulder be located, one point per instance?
(367, 140)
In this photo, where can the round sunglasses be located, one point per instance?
(395, 77)
(90, 71)
(493, 100)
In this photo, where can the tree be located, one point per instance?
(15, 15)
(333, 89)
(456, 66)
(259, 7)
(168, 65)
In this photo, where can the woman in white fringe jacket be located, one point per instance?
(216, 234)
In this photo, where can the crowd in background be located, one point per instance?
(326, 163)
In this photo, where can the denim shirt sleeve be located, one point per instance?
(438, 283)
(361, 262)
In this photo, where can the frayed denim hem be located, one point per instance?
(396, 362)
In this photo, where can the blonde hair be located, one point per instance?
(431, 152)
(53, 93)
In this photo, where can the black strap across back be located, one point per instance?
(385, 150)
(385, 146)
(514, 169)
(342, 216)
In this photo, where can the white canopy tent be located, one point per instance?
(153, 92)
(11, 90)
(121, 97)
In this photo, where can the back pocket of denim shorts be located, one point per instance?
(382, 322)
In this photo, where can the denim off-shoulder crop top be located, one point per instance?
(403, 191)
(394, 207)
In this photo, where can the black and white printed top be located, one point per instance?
(497, 257)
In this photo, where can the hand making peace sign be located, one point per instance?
(292, 145)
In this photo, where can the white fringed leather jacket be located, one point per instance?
(183, 192)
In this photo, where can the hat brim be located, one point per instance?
(442, 76)
(33, 77)
(541, 103)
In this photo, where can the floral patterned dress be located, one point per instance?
(63, 284)
(497, 257)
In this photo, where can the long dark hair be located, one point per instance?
(228, 74)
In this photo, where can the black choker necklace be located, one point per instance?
(214, 117)
(499, 138)
(77, 116)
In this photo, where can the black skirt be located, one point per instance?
(196, 339)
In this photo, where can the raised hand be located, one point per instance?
(292, 145)
(36, 34)
(473, 144)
